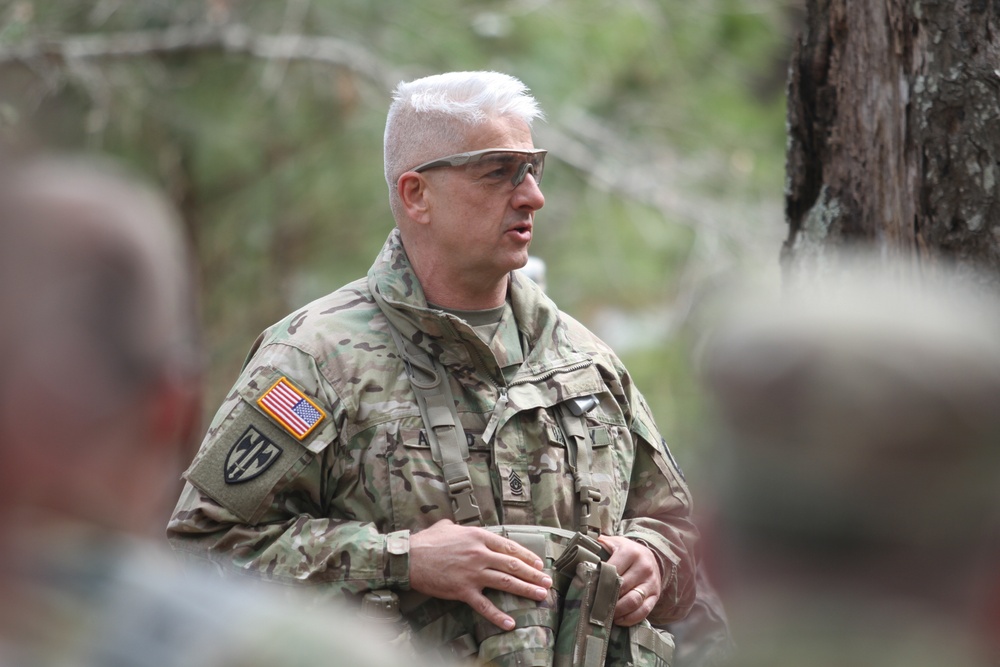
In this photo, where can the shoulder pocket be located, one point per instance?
(253, 453)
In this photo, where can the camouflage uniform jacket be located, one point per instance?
(335, 507)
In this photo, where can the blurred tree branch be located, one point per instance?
(577, 142)
(231, 39)
(655, 177)
(673, 187)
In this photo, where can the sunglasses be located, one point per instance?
(494, 164)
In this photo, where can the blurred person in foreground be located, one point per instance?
(98, 397)
(856, 517)
(442, 434)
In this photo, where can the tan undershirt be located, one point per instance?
(484, 322)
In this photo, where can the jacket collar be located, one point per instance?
(399, 295)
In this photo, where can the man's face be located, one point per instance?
(481, 225)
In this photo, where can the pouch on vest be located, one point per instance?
(531, 641)
(587, 636)
(641, 645)
(588, 616)
(571, 627)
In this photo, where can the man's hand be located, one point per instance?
(453, 562)
(641, 578)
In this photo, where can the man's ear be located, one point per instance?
(175, 415)
(414, 193)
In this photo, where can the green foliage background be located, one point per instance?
(276, 164)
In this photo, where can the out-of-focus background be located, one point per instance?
(263, 121)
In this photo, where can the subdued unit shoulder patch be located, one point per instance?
(251, 456)
(291, 408)
(670, 455)
(244, 463)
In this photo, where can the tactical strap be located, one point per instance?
(450, 448)
(444, 431)
(588, 615)
(578, 452)
(660, 644)
(523, 618)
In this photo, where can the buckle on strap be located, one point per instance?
(449, 447)
(463, 501)
(572, 415)
(589, 522)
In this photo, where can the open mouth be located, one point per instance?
(521, 229)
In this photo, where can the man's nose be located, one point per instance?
(527, 194)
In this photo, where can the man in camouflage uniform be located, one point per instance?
(324, 465)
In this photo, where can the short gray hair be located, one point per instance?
(428, 114)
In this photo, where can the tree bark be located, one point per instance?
(894, 134)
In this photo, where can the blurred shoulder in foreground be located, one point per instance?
(98, 401)
(856, 509)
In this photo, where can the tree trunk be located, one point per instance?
(894, 134)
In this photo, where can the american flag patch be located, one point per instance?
(290, 408)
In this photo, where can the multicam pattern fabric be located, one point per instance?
(329, 508)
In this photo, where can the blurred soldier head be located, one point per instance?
(100, 385)
(857, 504)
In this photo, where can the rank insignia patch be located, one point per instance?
(250, 457)
(516, 485)
(290, 408)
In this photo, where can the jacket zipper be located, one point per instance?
(502, 400)
(501, 388)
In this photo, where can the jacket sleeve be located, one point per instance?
(257, 495)
(658, 514)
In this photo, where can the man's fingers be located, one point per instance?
(509, 547)
(490, 612)
(519, 570)
(641, 579)
(634, 606)
(510, 584)
(518, 562)
(500, 581)
(454, 562)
